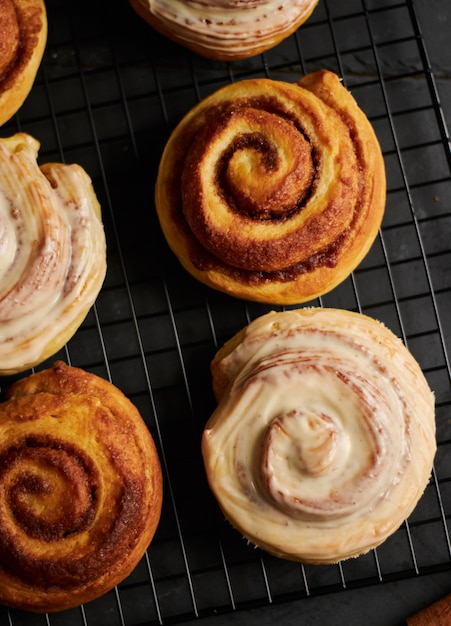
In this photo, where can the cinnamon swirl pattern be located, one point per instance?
(81, 489)
(52, 253)
(271, 191)
(227, 30)
(23, 27)
(324, 435)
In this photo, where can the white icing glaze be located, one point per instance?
(52, 251)
(226, 24)
(324, 439)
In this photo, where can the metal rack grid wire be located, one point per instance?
(108, 93)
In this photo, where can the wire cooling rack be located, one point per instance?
(108, 93)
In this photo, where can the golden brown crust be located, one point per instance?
(82, 489)
(23, 27)
(437, 614)
(225, 30)
(324, 435)
(271, 191)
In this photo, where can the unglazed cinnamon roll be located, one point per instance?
(52, 253)
(226, 30)
(271, 191)
(23, 28)
(324, 435)
(81, 489)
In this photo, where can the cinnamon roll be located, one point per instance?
(324, 435)
(271, 191)
(81, 489)
(436, 614)
(226, 30)
(52, 253)
(23, 27)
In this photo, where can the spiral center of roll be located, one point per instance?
(301, 449)
(267, 172)
(248, 173)
(318, 453)
(308, 442)
(49, 489)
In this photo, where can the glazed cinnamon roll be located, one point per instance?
(226, 30)
(81, 489)
(324, 435)
(23, 27)
(272, 191)
(52, 253)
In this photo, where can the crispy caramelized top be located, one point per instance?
(81, 485)
(273, 191)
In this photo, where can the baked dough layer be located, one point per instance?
(272, 191)
(81, 489)
(324, 435)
